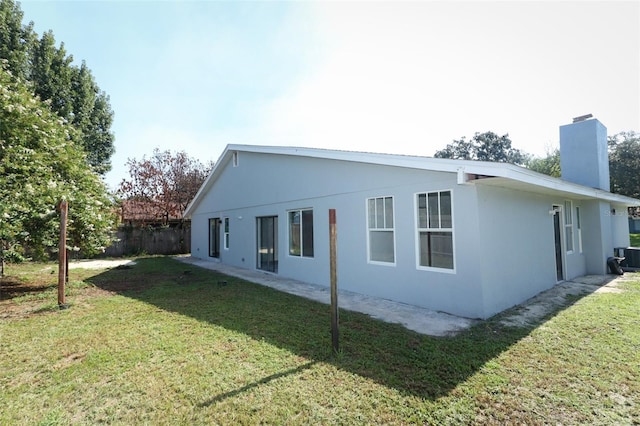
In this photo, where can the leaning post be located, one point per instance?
(334, 280)
(62, 254)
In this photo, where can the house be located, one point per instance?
(149, 213)
(464, 237)
(149, 227)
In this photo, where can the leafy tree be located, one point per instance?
(40, 165)
(71, 90)
(624, 163)
(486, 146)
(548, 165)
(164, 183)
(51, 74)
(16, 40)
(97, 138)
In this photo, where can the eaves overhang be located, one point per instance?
(468, 172)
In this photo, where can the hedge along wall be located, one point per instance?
(132, 241)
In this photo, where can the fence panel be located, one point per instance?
(132, 241)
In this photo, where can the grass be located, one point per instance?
(167, 343)
(635, 240)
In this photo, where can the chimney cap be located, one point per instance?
(582, 118)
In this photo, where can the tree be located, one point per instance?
(51, 74)
(71, 90)
(40, 164)
(97, 139)
(548, 165)
(486, 146)
(624, 163)
(16, 40)
(165, 183)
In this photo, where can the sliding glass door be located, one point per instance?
(267, 234)
(214, 237)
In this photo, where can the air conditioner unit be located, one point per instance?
(631, 257)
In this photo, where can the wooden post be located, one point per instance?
(62, 254)
(334, 280)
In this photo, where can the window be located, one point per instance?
(579, 228)
(381, 234)
(568, 226)
(435, 230)
(226, 233)
(301, 233)
(235, 158)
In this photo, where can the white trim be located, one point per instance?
(568, 225)
(392, 230)
(579, 228)
(226, 224)
(418, 230)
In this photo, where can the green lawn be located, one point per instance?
(167, 343)
(635, 240)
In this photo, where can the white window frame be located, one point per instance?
(375, 227)
(302, 255)
(225, 230)
(568, 226)
(451, 230)
(579, 228)
(235, 158)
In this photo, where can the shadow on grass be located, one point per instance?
(265, 380)
(415, 364)
(11, 288)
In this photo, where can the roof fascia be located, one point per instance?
(461, 167)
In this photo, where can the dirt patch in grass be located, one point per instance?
(24, 299)
(11, 287)
(33, 290)
(121, 280)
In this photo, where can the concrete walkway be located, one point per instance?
(541, 305)
(415, 318)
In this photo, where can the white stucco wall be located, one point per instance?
(517, 229)
(503, 238)
(262, 186)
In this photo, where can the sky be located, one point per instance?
(390, 77)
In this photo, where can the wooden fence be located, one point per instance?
(134, 241)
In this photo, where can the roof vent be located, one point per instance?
(582, 118)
